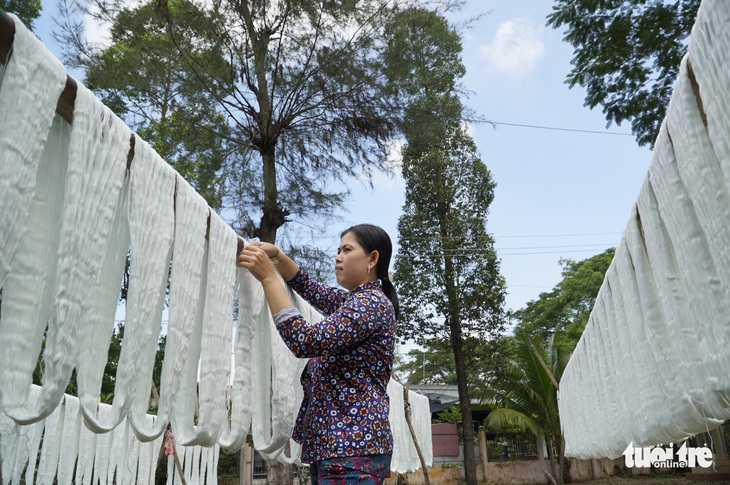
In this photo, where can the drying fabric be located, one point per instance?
(238, 397)
(52, 435)
(70, 434)
(27, 294)
(191, 214)
(8, 446)
(93, 181)
(658, 336)
(405, 457)
(106, 139)
(212, 333)
(151, 224)
(33, 80)
(421, 418)
(286, 392)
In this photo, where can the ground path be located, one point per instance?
(648, 480)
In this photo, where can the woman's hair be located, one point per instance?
(374, 238)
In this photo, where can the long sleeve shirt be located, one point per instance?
(345, 407)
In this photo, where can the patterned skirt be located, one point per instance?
(355, 470)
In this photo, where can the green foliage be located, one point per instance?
(564, 310)
(525, 397)
(484, 360)
(446, 266)
(268, 107)
(26, 10)
(423, 53)
(451, 414)
(627, 55)
(143, 78)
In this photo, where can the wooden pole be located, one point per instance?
(407, 411)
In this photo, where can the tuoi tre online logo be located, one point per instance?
(660, 457)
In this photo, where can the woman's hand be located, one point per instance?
(270, 250)
(255, 258)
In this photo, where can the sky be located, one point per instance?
(560, 193)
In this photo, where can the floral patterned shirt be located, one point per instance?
(345, 407)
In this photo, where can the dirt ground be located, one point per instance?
(648, 480)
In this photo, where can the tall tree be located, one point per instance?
(299, 84)
(564, 310)
(447, 269)
(627, 55)
(143, 78)
(26, 10)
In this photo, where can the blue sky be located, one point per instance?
(560, 194)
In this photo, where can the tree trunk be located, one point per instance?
(551, 455)
(274, 216)
(470, 466)
(279, 473)
(454, 323)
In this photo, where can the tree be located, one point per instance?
(447, 270)
(433, 363)
(627, 55)
(446, 267)
(564, 310)
(26, 10)
(526, 397)
(299, 83)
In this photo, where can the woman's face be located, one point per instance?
(351, 263)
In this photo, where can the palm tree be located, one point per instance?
(526, 395)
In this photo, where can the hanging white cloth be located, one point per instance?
(76, 210)
(32, 82)
(658, 332)
(405, 456)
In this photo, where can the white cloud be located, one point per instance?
(515, 49)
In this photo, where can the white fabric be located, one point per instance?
(68, 445)
(70, 440)
(72, 213)
(52, 436)
(27, 294)
(103, 140)
(405, 457)
(651, 366)
(32, 82)
(239, 397)
(151, 223)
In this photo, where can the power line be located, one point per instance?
(565, 235)
(545, 247)
(473, 253)
(493, 236)
(554, 128)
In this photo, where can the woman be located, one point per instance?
(343, 420)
